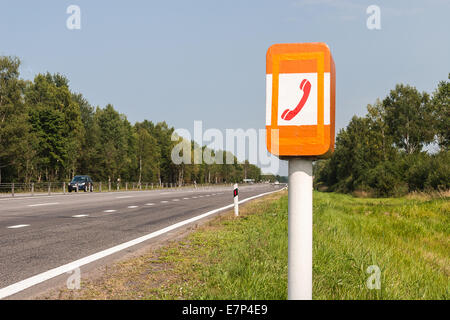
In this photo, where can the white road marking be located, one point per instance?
(80, 216)
(124, 197)
(149, 204)
(43, 204)
(110, 211)
(37, 197)
(39, 278)
(207, 195)
(194, 197)
(132, 207)
(18, 226)
(186, 198)
(164, 201)
(176, 200)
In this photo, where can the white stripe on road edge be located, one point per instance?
(124, 197)
(29, 282)
(43, 204)
(80, 216)
(109, 211)
(132, 207)
(149, 204)
(164, 201)
(185, 198)
(18, 226)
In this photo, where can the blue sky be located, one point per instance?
(182, 61)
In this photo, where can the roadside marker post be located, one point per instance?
(300, 124)
(236, 200)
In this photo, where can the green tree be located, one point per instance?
(408, 118)
(383, 148)
(56, 122)
(16, 152)
(89, 155)
(440, 103)
(148, 154)
(359, 148)
(163, 134)
(113, 142)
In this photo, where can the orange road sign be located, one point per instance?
(300, 100)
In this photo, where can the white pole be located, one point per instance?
(236, 200)
(300, 229)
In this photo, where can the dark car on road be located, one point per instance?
(84, 183)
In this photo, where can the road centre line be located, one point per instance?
(39, 278)
(18, 226)
(43, 204)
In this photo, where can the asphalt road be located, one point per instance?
(40, 233)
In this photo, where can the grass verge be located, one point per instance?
(407, 239)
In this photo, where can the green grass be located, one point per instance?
(246, 258)
(408, 239)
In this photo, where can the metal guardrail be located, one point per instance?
(48, 188)
(13, 189)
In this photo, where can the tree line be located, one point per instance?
(49, 133)
(399, 146)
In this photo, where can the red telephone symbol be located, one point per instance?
(288, 114)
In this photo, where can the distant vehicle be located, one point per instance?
(276, 182)
(84, 183)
